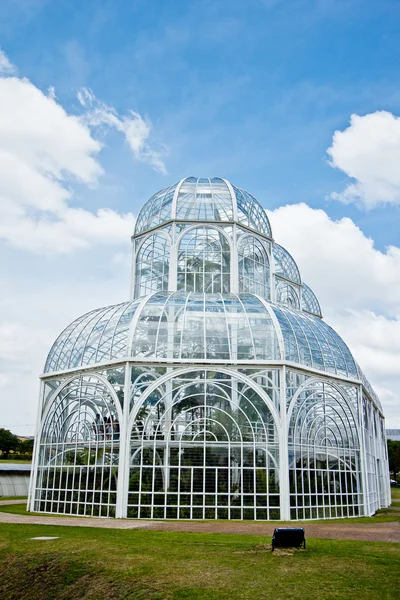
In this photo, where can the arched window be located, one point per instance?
(152, 266)
(309, 301)
(285, 266)
(187, 459)
(253, 267)
(286, 294)
(324, 450)
(79, 450)
(204, 261)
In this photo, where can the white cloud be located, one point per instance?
(368, 151)
(44, 152)
(358, 287)
(35, 315)
(348, 270)
(135, 129)
(6, 68)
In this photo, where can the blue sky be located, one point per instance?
(248, 90)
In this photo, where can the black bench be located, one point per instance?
(288, 537)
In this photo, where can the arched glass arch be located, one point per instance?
(205, 447)
(286, 294)
(285, 266)
(98, 336)
(308, 340)
(204, 261)
(77, 469)
(253, 266)
(152, 265)
(324, 450)
(309, 301)
(183, 325)
(204, 327)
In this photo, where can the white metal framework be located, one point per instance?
(217, 391)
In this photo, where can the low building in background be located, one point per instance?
(14, 479)
(393, 434)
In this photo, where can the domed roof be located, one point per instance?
(203, 199)
(199, 327)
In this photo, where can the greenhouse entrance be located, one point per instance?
(204, 449)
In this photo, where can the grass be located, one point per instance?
(382, 516)
(96, 563)
(99, 564)
(13, 498)
(395, 493)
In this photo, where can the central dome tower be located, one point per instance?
(209, 236)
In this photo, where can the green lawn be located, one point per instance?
(383, 516)
(13, 498)
(120, 564)
(395, 493)
(97, 563)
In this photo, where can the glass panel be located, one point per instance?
(152, 265)
(310, 341)
(253, 267)
(251, 213)
(286, 294)
(309, 301)
(157, 210)
(285, 266)
(204, 261)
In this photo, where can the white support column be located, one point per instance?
(385, 467)
(167, 432)
(35, 458)
(173, 262)
(363, 457)
(376, 459)
(234, 259)
(121, 509)
(284, 488)
(272, 270)
(133, 272)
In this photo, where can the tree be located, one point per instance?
(394, 457)
(8, 442)
(26, 447)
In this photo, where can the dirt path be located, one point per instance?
(370, 532)
(373, 532)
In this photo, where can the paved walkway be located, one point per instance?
(381, 532)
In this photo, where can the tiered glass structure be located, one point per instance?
(217, 391)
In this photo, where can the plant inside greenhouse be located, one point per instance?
(217, 391)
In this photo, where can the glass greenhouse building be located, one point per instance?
(216, 392)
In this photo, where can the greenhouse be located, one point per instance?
(216, 392)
